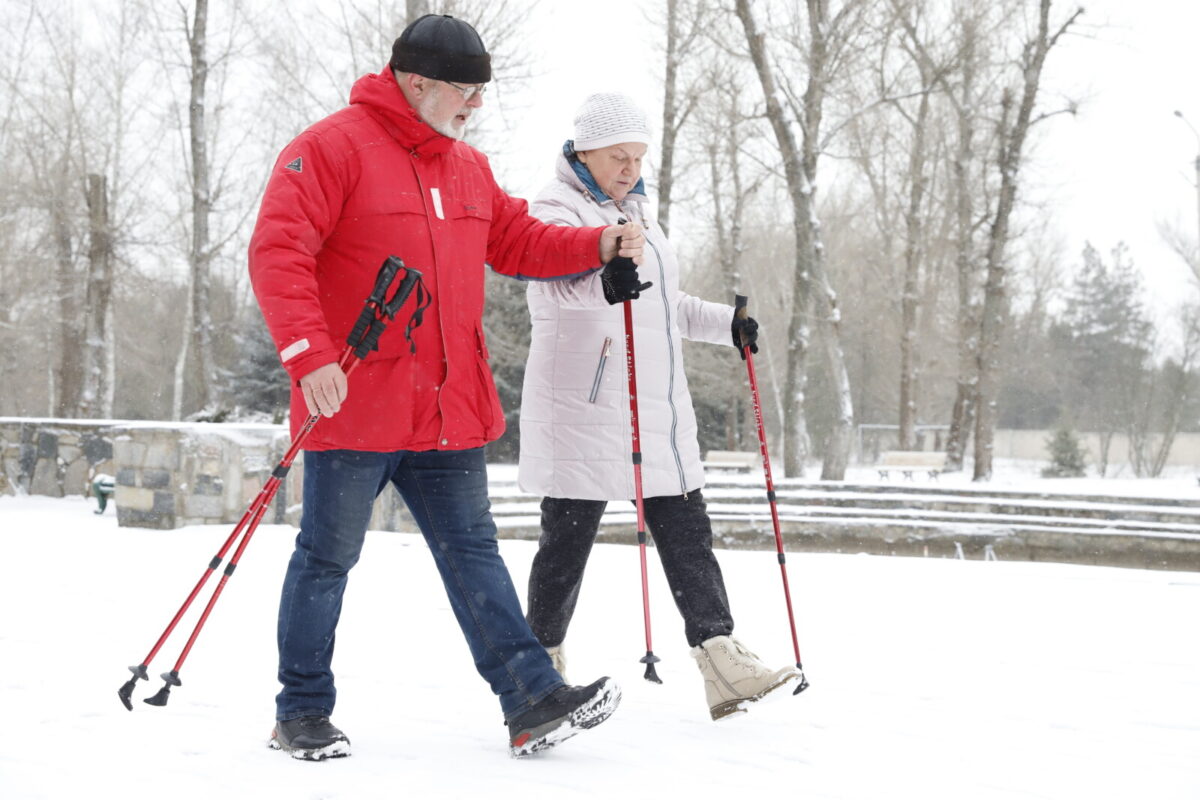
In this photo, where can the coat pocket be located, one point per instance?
(596, 381)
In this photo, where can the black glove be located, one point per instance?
(620, 281)
(745, 334)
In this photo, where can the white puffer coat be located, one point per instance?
(571, 447)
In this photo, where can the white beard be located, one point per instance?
(446, 128)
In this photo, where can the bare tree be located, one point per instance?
(1017, 118)
(216, 143)
(71, 122)
(825, 47)
(685, 24)
(200, 253)
(355, 37)
(929, 74)
(962, 415)
(98, 305)
(1185, 246)
(48, 126)
(1181, 387)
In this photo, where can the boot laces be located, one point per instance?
(741, 648)
(749, 660)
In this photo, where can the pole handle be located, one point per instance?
(379, 309)
(740, 303)
(411, 276)
(740, 311)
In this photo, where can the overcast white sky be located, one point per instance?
(1111, 173)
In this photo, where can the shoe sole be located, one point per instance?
(339, 749)
(599, 708)
(732, 708)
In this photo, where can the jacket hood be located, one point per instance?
(380, 94)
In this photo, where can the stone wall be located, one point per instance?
(170, 475)
(204, 473)
(54, 457)
(167, 474)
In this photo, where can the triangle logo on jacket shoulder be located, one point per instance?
(297, 165)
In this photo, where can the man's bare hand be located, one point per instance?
(324, 390)
(632, 242)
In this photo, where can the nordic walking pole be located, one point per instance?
(631, 371)
(739, 310)
(649, 659)
(364, 338)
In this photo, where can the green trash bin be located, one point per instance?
(103, 487)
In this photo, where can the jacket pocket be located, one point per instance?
(384, 202)
(605, 351)
(469, 209)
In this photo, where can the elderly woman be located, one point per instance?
(575, 425)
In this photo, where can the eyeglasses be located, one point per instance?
(468, 92)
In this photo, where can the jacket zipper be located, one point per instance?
(662, 290)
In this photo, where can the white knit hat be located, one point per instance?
(608, 119)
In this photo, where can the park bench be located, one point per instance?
(731, 459)
(909, 461)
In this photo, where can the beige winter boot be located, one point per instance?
(559, 656)
(734, 677)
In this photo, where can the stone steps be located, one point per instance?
(1156, 533)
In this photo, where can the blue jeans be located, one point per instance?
(446, 491)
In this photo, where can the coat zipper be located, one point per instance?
(662, 290)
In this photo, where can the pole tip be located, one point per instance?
(126, 693)
(160, 698)
(650, 660)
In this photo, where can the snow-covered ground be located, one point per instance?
(931, 678)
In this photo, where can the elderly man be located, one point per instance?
(388, 175)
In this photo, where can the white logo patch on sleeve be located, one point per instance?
(292, 350)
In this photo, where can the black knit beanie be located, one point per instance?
(443, 48)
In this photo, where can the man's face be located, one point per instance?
(616, 168)
(443, 108)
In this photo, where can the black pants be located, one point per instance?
(683, 537)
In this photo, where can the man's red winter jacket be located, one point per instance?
(373, 180)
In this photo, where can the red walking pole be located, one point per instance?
(363, 339)
(631, 371)
(739, 310)
(649, 659)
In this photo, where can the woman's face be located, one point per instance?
(615, 168)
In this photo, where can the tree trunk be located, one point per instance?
(910, 296)
(69, 380)
(795, 429)
(995, 297)
(810, 290)
(178, 381)
(666, 169)
(99, 298)
(962, 417)
(200, 255)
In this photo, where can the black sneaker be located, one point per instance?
(563, 713)
(309, 738)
